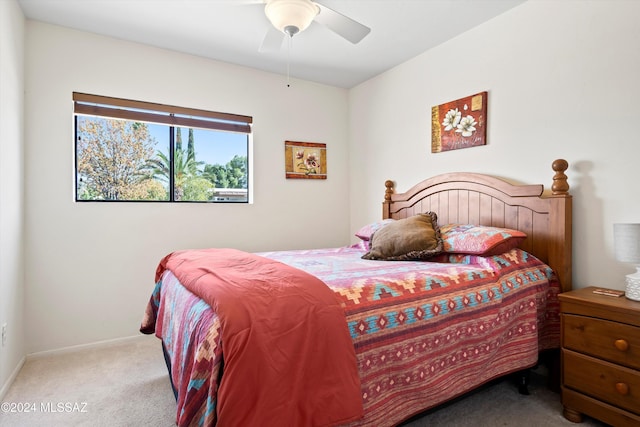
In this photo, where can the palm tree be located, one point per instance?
(184, 169)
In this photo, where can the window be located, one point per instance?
(138, 151)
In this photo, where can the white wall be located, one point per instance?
(562, 78)
(90, 266)
(11, 188)
(562, 82)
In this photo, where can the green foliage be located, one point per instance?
(86, 192)
(179, 139)
(198, 189)
(191, 151)
(231, 175)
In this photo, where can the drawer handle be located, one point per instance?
(621, 345)
(622, 388)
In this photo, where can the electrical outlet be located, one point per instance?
(4, 333)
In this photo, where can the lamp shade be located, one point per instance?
(626, 240)
(291, 13)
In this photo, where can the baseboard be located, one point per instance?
(97, 344)
(11, 379)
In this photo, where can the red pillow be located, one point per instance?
(479, 239)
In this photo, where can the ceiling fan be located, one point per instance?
(290, 17)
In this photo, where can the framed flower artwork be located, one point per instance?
(459, 124)
(305, 160)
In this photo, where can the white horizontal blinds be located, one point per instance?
(119, 108)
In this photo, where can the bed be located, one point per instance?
(382, 340)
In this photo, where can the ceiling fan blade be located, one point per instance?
(341, 25)
(272, 41)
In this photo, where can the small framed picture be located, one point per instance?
(305, 160)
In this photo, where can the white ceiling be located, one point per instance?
(232, 31)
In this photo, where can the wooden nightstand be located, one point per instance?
(600, 357)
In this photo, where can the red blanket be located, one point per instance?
(288, 356)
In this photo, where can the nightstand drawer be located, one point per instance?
(602, 380)
(613, 341)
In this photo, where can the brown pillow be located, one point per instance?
(413, 238)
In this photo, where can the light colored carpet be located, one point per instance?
(125, 383)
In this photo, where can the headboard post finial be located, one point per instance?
(389, 190)
(386, 204)
(560, 186)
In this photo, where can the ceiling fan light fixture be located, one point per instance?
(291, 16)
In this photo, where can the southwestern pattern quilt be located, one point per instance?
(423, 332)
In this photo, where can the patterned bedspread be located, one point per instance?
(423, 332)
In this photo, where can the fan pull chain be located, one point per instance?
(289, 45)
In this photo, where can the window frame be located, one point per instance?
(140, 111)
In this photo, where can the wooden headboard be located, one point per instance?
(471, 198)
